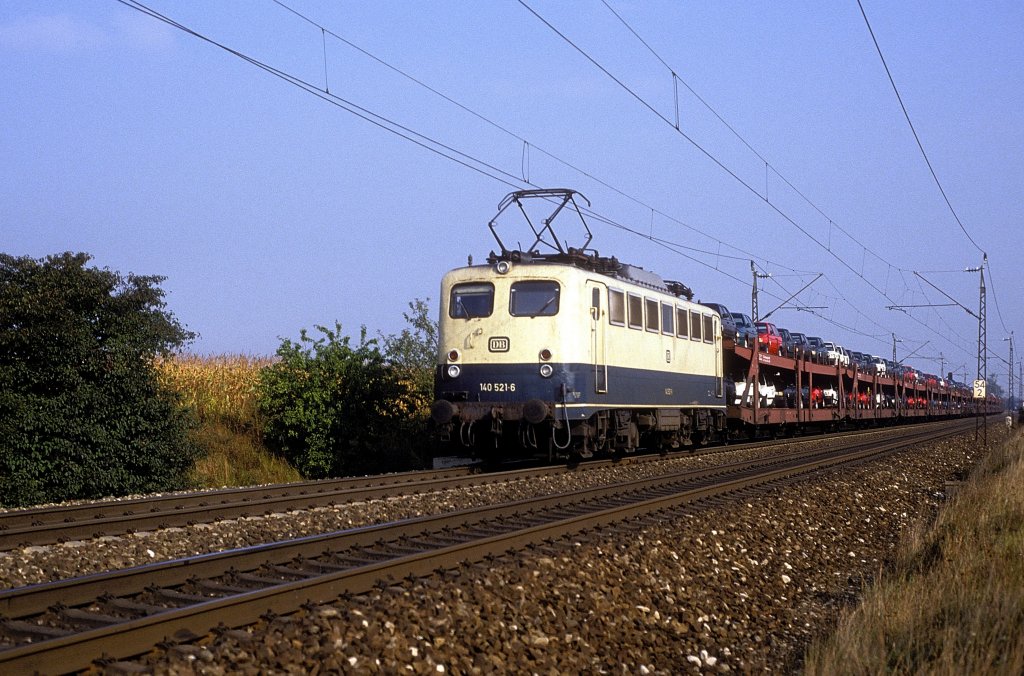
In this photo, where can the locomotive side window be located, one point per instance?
(695, 326)
(667, 315)
(471, 300)
(616, 307)
(682, 322)
(652, 314)
(636, 312)
(709, 329)
(534, 298)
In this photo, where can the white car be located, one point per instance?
(766, 392)
(830, 396)
(836, 354)
(879, 364)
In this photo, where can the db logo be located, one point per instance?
(498, 344)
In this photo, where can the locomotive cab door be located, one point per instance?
(598, 346)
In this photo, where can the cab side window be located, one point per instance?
(652, 314)
(667, 317)
(616, 307)
(636, 311)
(682, 323)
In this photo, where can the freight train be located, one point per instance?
(555, 351)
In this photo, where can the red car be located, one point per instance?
(768, 337)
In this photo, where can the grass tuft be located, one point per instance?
(953, 603)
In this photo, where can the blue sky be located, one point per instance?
(270, 209)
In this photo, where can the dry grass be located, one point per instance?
(954, 601)
(234, 459)
(221, 390)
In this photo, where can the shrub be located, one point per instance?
(82, 414)
(413, 354)
(332, 409)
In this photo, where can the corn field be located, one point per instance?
(219, 389)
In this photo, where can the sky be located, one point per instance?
(341, 179)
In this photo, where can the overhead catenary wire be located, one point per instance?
(768, 164)
(644, 103)
(380, 121)
(465, 159)
(924, 154)
(462, 158)
(527, 144)
(703, 150)
(866, 250)
(917, 138)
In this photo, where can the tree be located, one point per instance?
(82, 414)
(334, 409)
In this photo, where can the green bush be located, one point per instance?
(82, 414)
(332, 409)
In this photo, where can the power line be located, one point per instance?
(744, 141)
(387, 124)
(671, 245)
(369, 116)
(527, 143)
(913, 130)
(426, 142)
(991, 287)
(703, 150)
(721, 165)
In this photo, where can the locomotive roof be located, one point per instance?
(558, 250)
(602, 265)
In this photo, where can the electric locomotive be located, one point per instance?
(556, 351)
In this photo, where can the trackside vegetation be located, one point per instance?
(953, 603)
(97, 398)
(323, 405)
(82, 411)
(221, 392)
(335, 408)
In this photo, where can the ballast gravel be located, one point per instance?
(32, 565)
(737, 587)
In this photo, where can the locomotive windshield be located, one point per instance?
(471, 300)
(534, 299)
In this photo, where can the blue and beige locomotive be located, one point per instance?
(563, 352)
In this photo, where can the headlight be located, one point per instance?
(454, 371)
(503, 267)
(546, 370)
(545, 354)
(453, 355)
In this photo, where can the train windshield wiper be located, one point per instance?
(545, 306)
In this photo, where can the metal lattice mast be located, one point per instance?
(1009, 394)
(982, 348)
(754, 313)
(753, 293)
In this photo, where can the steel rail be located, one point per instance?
(61, 523)
(36, 598)
(135, 636)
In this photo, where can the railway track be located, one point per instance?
(62, 523)
(62, 625)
